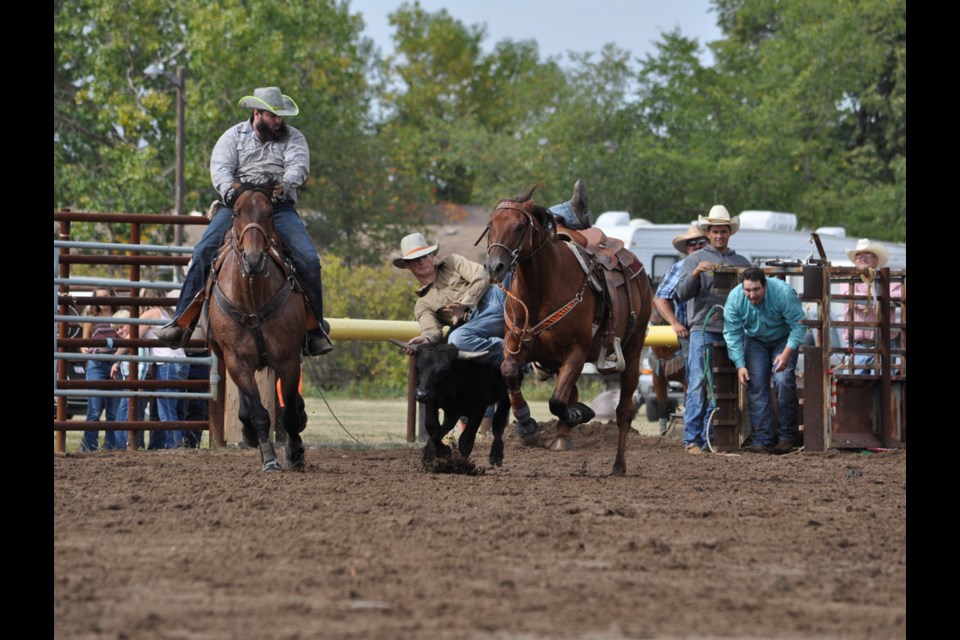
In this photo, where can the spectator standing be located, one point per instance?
(100, 328)
(705, 317)
(668, 303)
(763, 329)
(166, 407)
(868, 256)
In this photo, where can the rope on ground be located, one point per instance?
(316, 384)
(708, 374)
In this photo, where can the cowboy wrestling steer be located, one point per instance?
(456, 382)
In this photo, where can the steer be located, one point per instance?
(452, 380)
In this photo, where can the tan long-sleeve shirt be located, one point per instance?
(457, 280)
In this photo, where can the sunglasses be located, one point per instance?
(697, 243)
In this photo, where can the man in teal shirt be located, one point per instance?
(762, 326)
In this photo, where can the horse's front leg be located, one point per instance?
(294, 417)
(527, 427)
(564, 401)
(256, 424)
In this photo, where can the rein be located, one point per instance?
(527, 334)
(256, 319)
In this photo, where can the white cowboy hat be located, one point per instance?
(680, 242)
(412, 247)
(866, 245)
(272, 100)
(719, 215)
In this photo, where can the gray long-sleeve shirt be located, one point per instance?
(240, 156)
(698, 291)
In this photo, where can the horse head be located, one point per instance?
(518, 228)
(253, 226)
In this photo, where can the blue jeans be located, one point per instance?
(485, 328)
(759, 356)
(168, 407)
(100, 370)
(194, 409)
(297, 244)
(698, 404)
(565, 211)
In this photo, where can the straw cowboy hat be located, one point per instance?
(680, 242)
(866, 245)
(719, 215)
(272, 100)
(412, 247)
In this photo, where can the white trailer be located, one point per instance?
(763, 236)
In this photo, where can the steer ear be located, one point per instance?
(471, 355)
(405, 345)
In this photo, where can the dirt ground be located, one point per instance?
(365, 544)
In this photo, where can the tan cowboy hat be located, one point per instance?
(866, 245)
(680, 242)
(719, 215)
(272, 100)
(411, 247)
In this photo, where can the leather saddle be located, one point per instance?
(617, 266)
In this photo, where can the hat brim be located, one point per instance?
(883, 256)
(733, 223)
(289, 107)
(400, 262)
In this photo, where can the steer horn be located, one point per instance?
(471, 355)
(406, 346)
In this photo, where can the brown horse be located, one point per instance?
(256, 320)
(550, 311)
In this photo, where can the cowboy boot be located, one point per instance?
(172, 335)
(318, 340)
(579, 204)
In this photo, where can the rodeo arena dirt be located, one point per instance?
(367, 542)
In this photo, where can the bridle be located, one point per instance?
(526, 333)
(254, 319)
(533, 226)
(236, 239)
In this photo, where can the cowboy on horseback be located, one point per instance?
(260, 150)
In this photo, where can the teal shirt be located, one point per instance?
(779, 314)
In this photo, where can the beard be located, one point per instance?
(266, 134)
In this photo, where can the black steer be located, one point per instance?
(452, 380)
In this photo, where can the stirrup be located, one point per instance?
(611, 361)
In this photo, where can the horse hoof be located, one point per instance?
(561, 444)
(295, 460)
(531, 440)
(529, 432)
(272, 466)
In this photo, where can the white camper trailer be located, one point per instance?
(763, 236)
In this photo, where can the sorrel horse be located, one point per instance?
(257, 320)
(550, 313)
